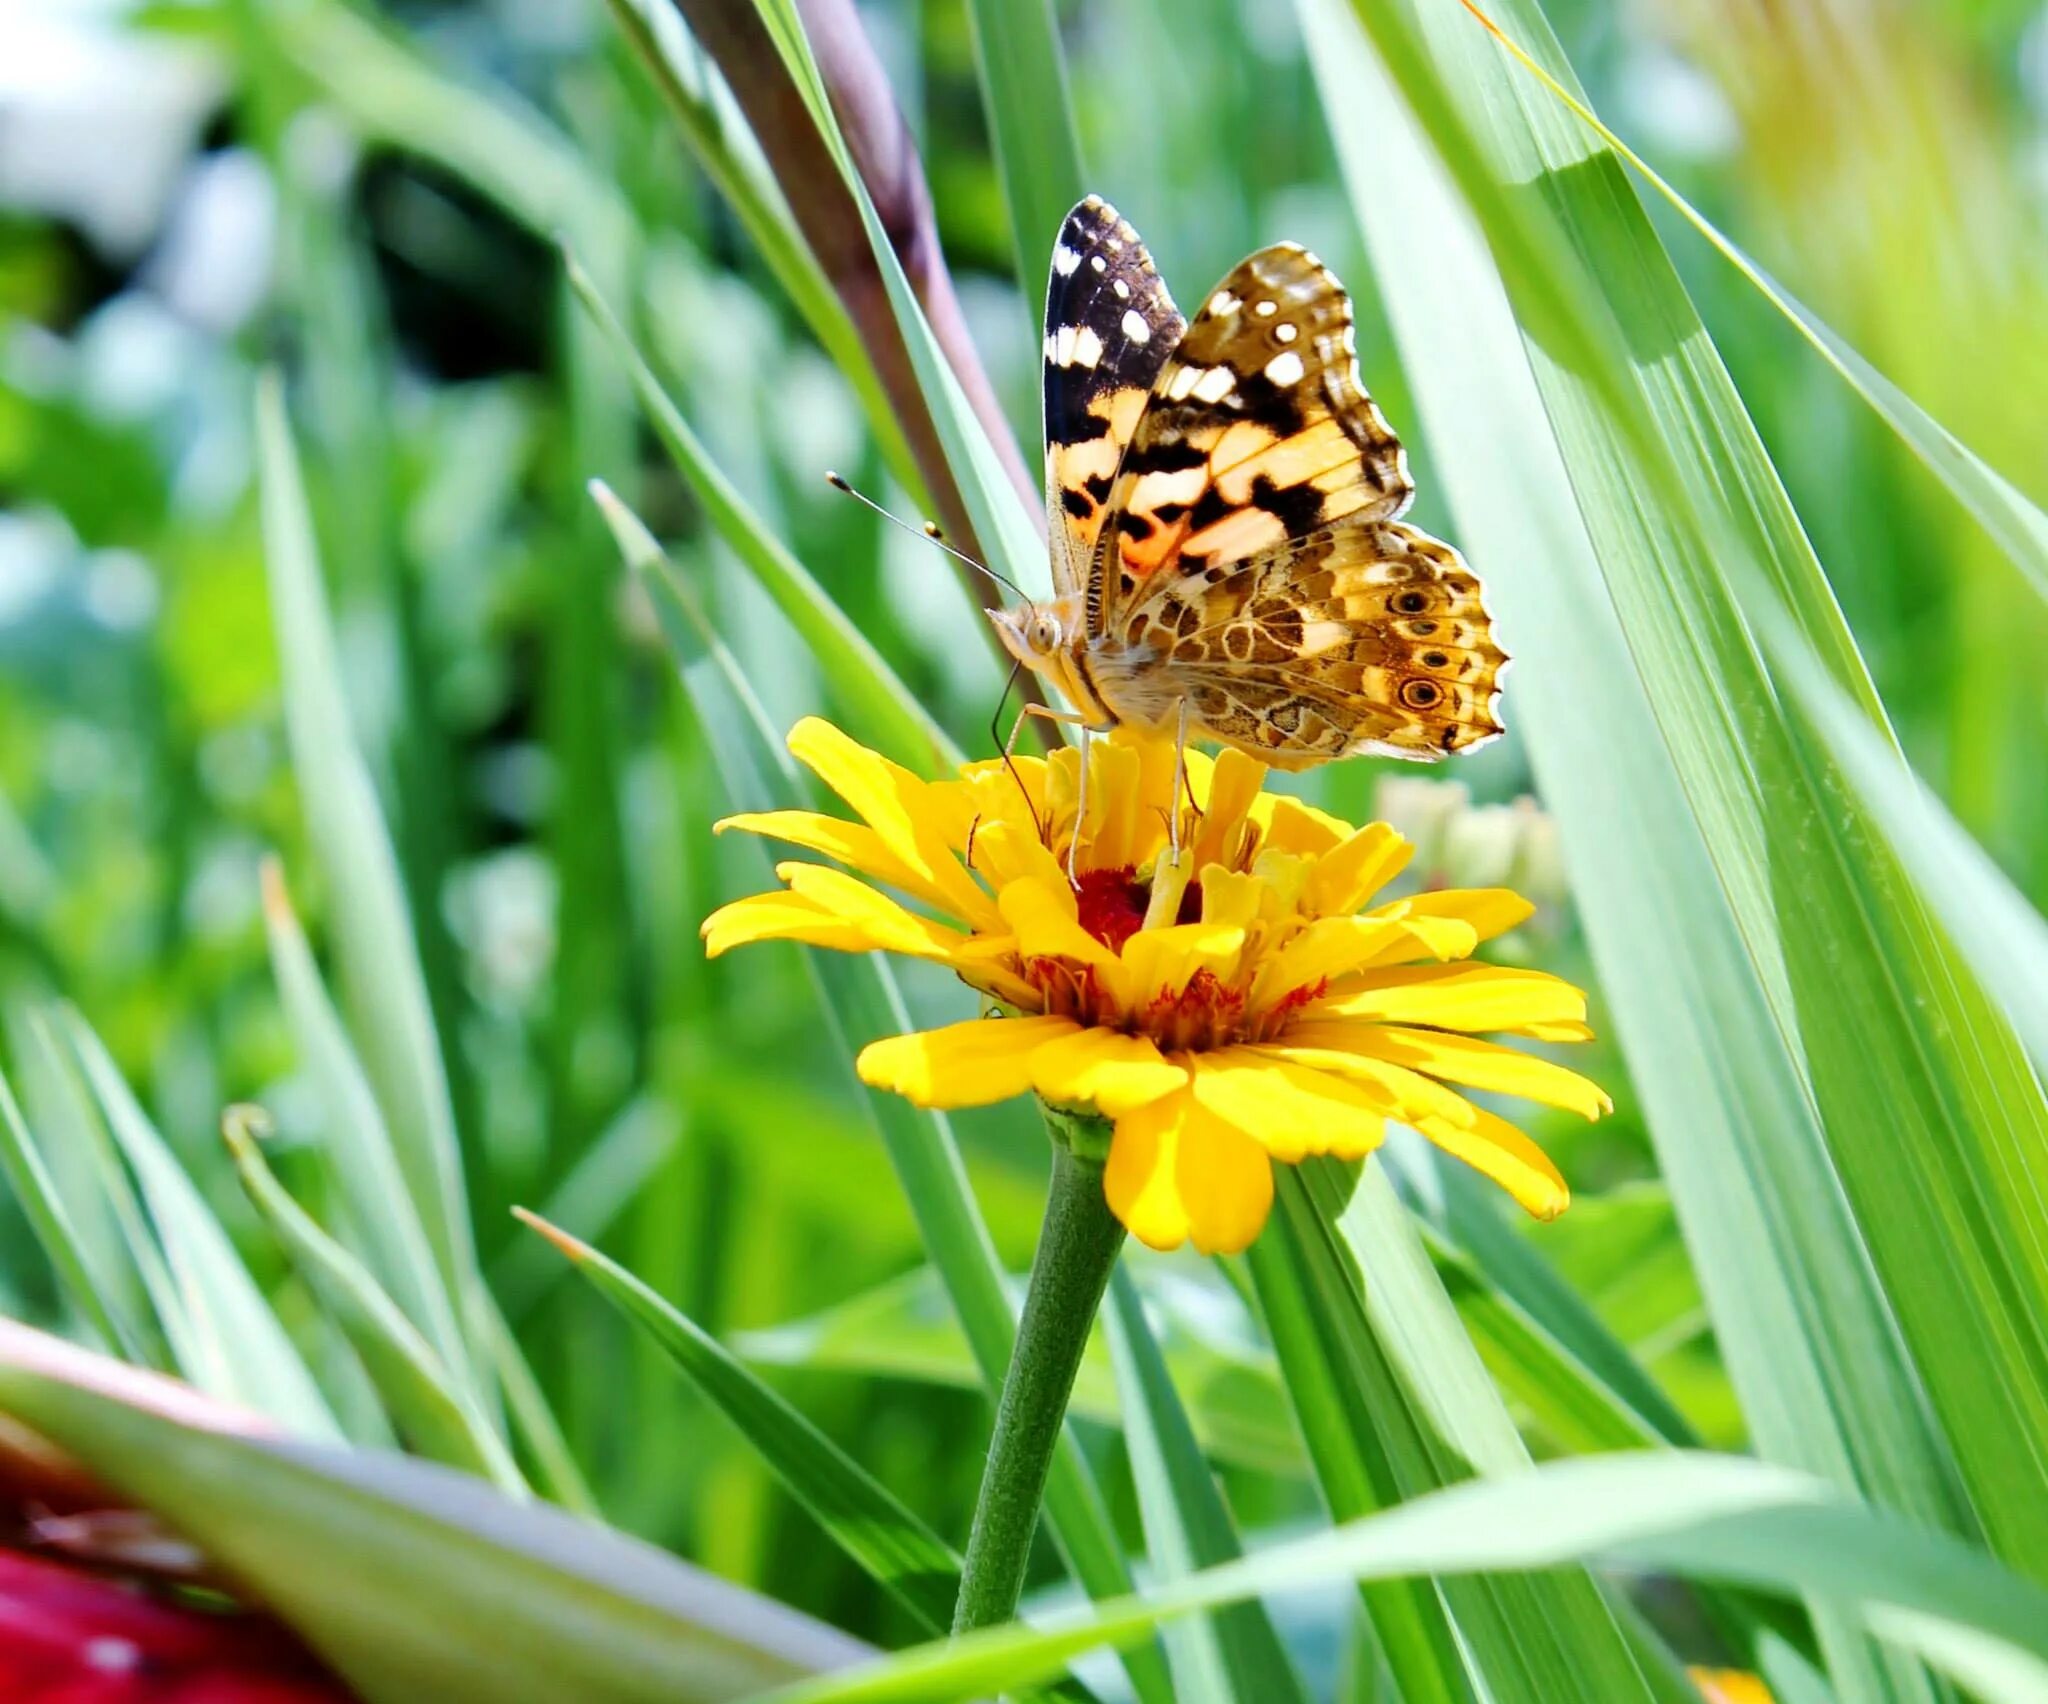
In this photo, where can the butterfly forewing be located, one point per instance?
(1109, 328)
(1257, 431)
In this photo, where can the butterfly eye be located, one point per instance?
(1045, 633)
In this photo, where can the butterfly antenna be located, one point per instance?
(928, 532)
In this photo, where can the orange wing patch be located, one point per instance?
(1257, 431)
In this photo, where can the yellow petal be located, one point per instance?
(1493, 1146)
(1564, 1029)
(1289, 1110)
(887, 926)
(1327, 948)
(1459, 997)
(1043, 916)
(904, 812)
(1176, 1173)
(1464, 1059)
(1106, 1069)
(1489, 911)
(1420, 933)
(1233, 786)
(1230, 896)
(779, 917)
(853, 844)
(1160, 961)
(1394, 1089)
(1117, 807)
(1007, 851)
(1292, 826)
(977, 1063)
(1350, 874)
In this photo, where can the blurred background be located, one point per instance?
(369, 200)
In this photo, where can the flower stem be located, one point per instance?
(1076, 1250)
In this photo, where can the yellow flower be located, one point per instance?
(1729, 1686)
(1247, 1004)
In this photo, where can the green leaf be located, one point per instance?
(897, 1549)
(427, 1405)
(861, 998)
(381, 1211)
(36, 1190)
(1235, 1653)
(1402, 1405)
(1023, 77)
(904, 1329)
(229, 1342)
(885, 713)
(412, 1581)
(383, 987)
(2018, 525)
(1712, 1516)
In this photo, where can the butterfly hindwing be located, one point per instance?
(1257, 430)
(1362, 636)
(1109, 328)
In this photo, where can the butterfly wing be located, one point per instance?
(1252, 562)
(1256, 431)
(1109, 328)
(1367, 636)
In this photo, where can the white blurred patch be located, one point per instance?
(119, 590)
(1675, 108)
(98, 120)
(502, 910)
(34, 550)
(214, 262)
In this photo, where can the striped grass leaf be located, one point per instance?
(1007, 531)
(2004, 512)
(904, 1556)
(1403, 1406)
(717, 137)
(861, 999)
(383, 989)
(72, 1262)
(1926, 1102)
(228, 1340)
(883, 711)
(1234, 1653)
(414, 1582)
(426, 1403)
(1717, 1517)
(380, 1211)
(1023, 76)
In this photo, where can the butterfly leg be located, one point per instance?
(1180, 780)
(1080, 807)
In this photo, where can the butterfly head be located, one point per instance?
(1037, 633)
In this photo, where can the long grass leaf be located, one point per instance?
(2005, 512)
(1023, 76)
(883, 710)
(1235, 1653)
(1719, 1517)
(236, 1347)
(426, 1403)
(383, 987)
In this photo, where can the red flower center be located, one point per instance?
(1112, 904)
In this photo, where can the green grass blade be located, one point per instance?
(897, 1549)
(1693, 988)
(1416, 1407)
(1712, 1516)
(861, 998)
(36, 1190)
(1007, 532)
(230, 1343)
(904, 1330)
(1030, 116)
(2006, 513)
(883, 711)
(381, 1211)
(429, 1584)
(1234, 1654)
(383, 988)
(717, 136)
(425, 1403)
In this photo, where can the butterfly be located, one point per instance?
(1224, 498)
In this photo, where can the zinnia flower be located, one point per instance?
(1246, 1004)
